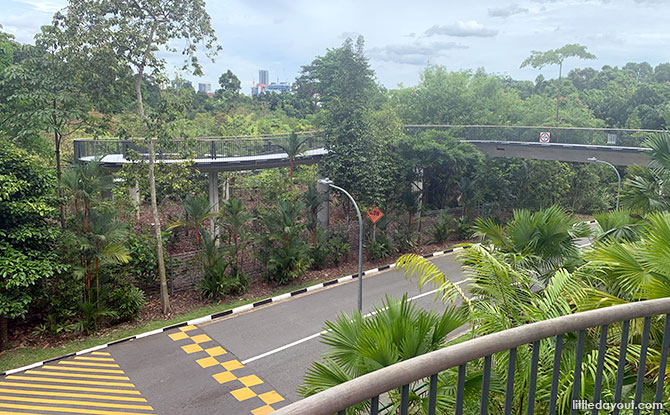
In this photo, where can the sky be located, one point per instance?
(402, 37)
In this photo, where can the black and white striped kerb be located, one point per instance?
(224, 313)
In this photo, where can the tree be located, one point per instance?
(546, 237)
(539, 60)
(345, 84)
(26, 237)
(230, 85)
(197, 210)
(292, 146)
(133, 31)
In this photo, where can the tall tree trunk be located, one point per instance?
(558, 88)
(4, 338)
(165, 299)
(61, 206)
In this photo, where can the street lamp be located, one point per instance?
(618, 190)
(329, 182)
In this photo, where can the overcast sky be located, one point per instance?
(403, 36)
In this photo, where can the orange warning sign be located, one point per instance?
(375, 214)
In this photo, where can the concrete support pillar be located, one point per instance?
(213, 198)
(226, 188)
(135, 198)
(323, 213)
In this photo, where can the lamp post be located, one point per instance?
(618, 190)
(329, 182)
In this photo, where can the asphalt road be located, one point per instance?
(248, 363)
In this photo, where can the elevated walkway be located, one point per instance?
(577, 153)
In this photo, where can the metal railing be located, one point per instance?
(500, 349)
(195, 148)
(563, 135)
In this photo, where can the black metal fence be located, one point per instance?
(196, 148)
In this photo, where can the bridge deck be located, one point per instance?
(578, 153)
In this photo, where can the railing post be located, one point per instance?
(212, 151)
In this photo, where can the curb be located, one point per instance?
(224, 313)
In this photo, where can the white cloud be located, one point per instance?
(508, 11)
(468, 28)
(45, 6)
(415, 53)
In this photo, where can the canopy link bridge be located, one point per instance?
(620, 147)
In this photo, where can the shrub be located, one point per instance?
(379, 248)
(282, 251)
(405, 237)
(127, 301)
(328, 247)
(217, 281)
(463, 228)
(442, 228)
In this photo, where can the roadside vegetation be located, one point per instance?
(77, 258)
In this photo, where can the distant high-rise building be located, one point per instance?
(263, 77)
(205, 87)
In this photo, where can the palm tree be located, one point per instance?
(197, 210)
(86, 182)
(646, 188)
(395, 331)
(621, 225)
(234, 221)
(102, 244)
(546, 237)
(502, 294)
(292, 147)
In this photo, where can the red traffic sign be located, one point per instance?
(545, 136)
(375, 214)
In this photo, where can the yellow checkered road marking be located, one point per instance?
(53, 389)
(216, 355)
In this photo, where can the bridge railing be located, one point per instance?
(564, 135)
(617, 328)
(196, 148)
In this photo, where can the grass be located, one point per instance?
(28, 355)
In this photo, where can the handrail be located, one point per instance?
(208, 138)
(634, 130)
(400, 374)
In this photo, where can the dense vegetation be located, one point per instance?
(526, 271)
(65, 242)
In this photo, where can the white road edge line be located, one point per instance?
(314, 336)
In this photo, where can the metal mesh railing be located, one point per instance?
(562, 135)
(196, 148)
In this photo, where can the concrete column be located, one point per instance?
(135, 198)
(323, 213)
(226, 187)
(213, 198)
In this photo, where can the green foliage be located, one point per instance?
(327, 248)
(379, 247)
(218, 281)
(142, 267)
(197, 210)
(127, 301)
(440, 161)
(538, 59)
(26, 235)
(546, 237)
(398, 330)
(442, 228)
(620, 225)
(93, 315)
(282, 251)
(344, 82)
